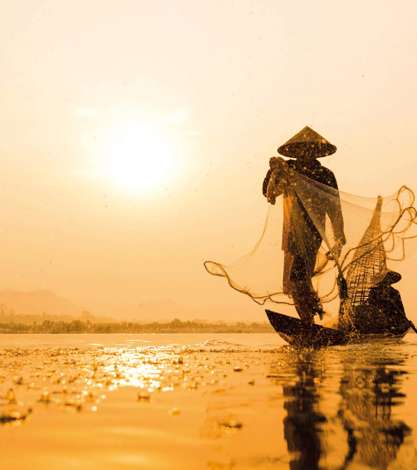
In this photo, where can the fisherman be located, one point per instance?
(387, 300)
(301, 237)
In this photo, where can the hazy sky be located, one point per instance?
(135, 135)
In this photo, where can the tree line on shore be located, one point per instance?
(174, 326)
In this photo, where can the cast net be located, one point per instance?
(357, 237)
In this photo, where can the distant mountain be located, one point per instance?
(36, 303)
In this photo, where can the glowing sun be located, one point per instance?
(139, 157)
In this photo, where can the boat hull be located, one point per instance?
(294, 332)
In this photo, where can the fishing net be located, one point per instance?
(345, 235)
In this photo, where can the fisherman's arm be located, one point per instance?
(275, 179)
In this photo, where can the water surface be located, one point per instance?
(221, 401)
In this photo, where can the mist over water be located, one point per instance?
(241, 400)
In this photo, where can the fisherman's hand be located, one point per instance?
(273, 162)
(280, 169)
(278, 179)
(276, 162)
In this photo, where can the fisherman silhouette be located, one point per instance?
(299, 261)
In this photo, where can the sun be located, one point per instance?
(139, 157)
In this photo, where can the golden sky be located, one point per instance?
(203, 92)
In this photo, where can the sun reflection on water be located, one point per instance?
(336, 408)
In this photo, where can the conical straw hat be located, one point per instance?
(307, 139)
(389, 277)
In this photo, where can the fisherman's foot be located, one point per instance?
(307, 322)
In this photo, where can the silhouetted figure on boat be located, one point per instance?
(301, 237)
(387, 300)
(383, 312)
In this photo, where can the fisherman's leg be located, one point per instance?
(301, 303)
(310, 264)
(314, 300)
(306, 300)
(300, 291)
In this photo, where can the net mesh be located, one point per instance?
(303, 214)
(369, 264)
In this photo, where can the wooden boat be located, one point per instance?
(294, 332)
